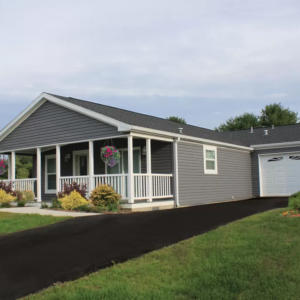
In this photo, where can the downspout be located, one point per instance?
(176, 180)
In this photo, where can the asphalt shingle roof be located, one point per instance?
(280, 134)
(142, 120)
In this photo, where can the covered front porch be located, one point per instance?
(143, 177)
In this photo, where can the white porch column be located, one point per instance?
(39, 174)
(149, 169)
(58, 169)
(9, 167)
(175, 176)
(13, 166)
(130, 187)
(91, 166)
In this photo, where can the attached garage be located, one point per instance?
(279, 174)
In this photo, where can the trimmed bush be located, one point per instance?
(294, 201)
(56, 203)
(4, 197)
(7, 188)
(18, 195)
(5, 205)
(28, 196)
(21, 204)
(105, 196)
(44, 206)
(73, 201)
(69, 188)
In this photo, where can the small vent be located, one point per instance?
(297, 157)
(275, 159)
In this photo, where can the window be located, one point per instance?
(50, 174)
(296, 157)
(275, 159)
(210, 160)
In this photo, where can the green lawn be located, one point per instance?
(15, 222)
(255, 258)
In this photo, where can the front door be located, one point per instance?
(81, 163)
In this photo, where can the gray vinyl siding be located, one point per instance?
(233, 178)
(255, 165)
(51, 124)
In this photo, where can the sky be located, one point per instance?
(204, 61)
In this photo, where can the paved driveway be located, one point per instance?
(35, 259)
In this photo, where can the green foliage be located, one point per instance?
(244, 121)
(44, 206)
(18, 195)
(106, 197)
(4, 197)
(294, 201)
(276, 114)
(56, 203)
(24, 166)
(273, 114)
(28, 196)
(5, 205)
(176, 119)
(21, 204)
(73, 201)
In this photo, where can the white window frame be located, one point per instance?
(212, 148)
(80, 152)
(47, 191)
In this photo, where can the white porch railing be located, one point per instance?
(82, 180)
(23, 184)
(161, 184)
(118, 182)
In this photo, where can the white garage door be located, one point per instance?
(280, 174)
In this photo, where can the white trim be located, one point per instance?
(148, 204)
(58, 169)
(275, 145)
(43, 98)
(138, 129)
(176, 172)
(130, 180)
(149, 169)
(80, 152)
(91, 166)
(13, 165)
(260, 178)
(39, 174)
(69, 143)
(47, 191)
(211, 148)
(152, 137)
(278, 153)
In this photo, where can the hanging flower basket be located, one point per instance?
(3, 165)
(110, 155)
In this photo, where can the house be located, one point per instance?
(275, 159)
(163, 164)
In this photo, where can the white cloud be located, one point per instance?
(186, 58)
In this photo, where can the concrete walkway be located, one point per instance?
(36, 210)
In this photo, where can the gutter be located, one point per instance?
(275, 145)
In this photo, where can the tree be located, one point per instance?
(241, 122)
(23, 166)
(276, 114)
(176, 119)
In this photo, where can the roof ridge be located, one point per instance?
(263, 127)
(160, 118)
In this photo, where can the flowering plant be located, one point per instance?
(110, 155)
(3, 165)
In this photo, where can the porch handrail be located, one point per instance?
(26, 184)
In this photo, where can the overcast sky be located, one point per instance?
(202, 60)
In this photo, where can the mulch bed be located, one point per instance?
(35, 259)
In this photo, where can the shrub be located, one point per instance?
(7, 188)
(84, 207)
(56, 203)
(295, 195)
(5, 205)
(18, 195)
(28, 196)
(294, 202)
(21, 204)
(105, 196)
(4, 197)
(72, 201)
(69, 188)
(44, 206)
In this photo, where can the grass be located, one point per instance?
(254, 258)
(15, 222)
